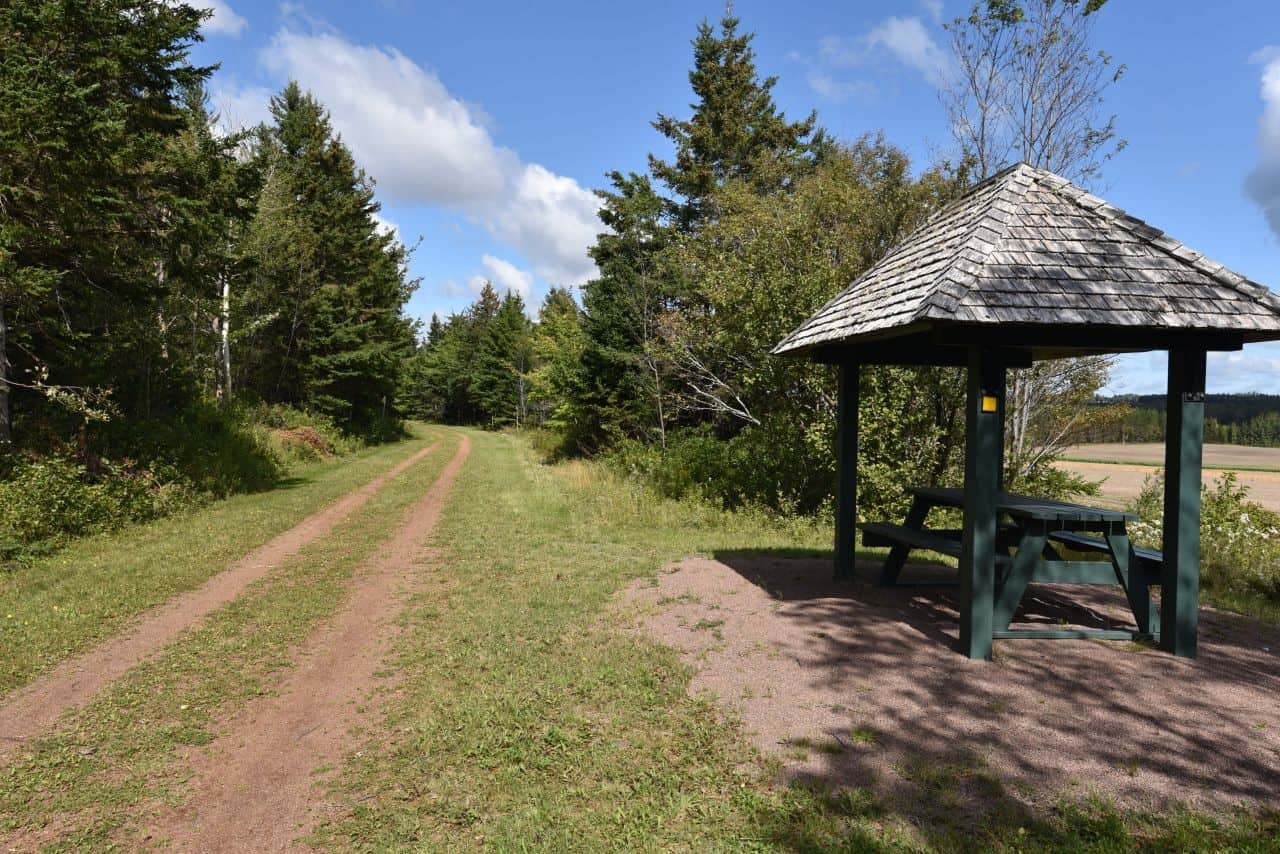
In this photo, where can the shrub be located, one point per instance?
(45, 501)
(1239, 538)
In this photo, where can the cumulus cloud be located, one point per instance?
(1263, 183)
(224, 21)
(423, 145)
(504, 275)
(906, 41)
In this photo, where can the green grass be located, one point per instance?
(530, 720)
(60, 605)
(93, 780)
(527, 716)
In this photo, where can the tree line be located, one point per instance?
(152, 263)
(713, 254)
(1234, 419)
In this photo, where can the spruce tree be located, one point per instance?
(89, 95)
(330, 282)
(736, 131)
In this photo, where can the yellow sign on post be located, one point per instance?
(989, 403)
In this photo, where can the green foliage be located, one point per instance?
(736, 132)
(1239, 538)
(43, 502)
(474, 367)
(329, 286)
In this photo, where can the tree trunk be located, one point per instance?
(224, 342)
(6, 431)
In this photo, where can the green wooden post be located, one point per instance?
(1183, 453)
(978, 542)
(1001, 383)
(846, 471)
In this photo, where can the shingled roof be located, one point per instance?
(1029, 248)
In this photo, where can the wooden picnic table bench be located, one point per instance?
(1029, 534)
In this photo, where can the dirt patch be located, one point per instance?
(255, 787)
(34, 707)
(854, 685)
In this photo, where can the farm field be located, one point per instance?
(1123, 468)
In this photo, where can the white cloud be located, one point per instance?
(838, 90)
(909, 41)
(504, 275)
(934, 8)
(1263, 183)
(225, 21)
(423, 145)
(386, 226)
(1255, 368)
(240, 107)
(904, 40)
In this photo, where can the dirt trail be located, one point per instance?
(254, 787)
(31, 709)
(854, 684)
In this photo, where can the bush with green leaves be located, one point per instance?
(1239, 538)
(46, 501)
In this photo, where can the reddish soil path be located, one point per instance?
(34, 707)
(866, 682)
(254, 788)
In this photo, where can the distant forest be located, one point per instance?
(1237, 419)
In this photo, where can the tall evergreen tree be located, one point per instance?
(736, 131)
(504, 360)
(330, 284)
(88, 98)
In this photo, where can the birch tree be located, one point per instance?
(1027, 83)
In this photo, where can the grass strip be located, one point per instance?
(88, 785)
(1159, 464)
(61, 605)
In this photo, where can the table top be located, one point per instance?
(1027, 507)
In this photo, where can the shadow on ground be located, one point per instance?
(851, 684)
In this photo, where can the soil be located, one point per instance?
(259, 785)
(851, 684)
(31, 709)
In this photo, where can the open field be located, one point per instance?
(1124, 468)
(457, 664)
(1234, 457)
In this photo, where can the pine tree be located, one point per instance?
(88, 97)
(504, 360)
(331, 283)
(736, 130)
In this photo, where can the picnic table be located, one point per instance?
(1031, 537)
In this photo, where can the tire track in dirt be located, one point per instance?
(34, 707)
(254, 788)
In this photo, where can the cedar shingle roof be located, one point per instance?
(1028, 247)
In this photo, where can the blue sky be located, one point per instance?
(486, 125)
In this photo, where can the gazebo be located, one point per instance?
(1027, 266)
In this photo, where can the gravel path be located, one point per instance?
(852, 684)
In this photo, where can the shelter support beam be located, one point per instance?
(982, 459)
(847, 471)
(1183, 456)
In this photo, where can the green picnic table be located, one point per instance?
(1031, 536)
